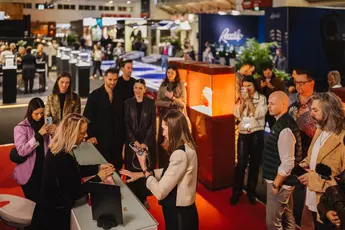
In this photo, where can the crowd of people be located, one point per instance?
(117, 114)
(304, 150)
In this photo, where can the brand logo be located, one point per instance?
(274, 16)
(226, 36)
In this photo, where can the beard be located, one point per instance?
(320, 123)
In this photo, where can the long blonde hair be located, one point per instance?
(67, 133)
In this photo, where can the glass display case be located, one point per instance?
(211, 99)
(74, 56)
(10, 61)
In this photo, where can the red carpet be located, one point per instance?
(216, 213)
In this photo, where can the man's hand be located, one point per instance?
(263, 84)
(143, 146)
(304, 179)
(93, 141)
(275, 190)
(269, 85)
(333, 217)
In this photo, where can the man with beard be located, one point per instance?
(104, 109)
(327, 147)
(126, 82)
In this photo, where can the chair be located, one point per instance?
(18, 212)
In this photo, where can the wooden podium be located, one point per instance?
(211, 99)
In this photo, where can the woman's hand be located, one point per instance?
(143, 146)
(51, 129)
(304, 179)
(133, 175)
(169, 95)
(105, 166)
(92, 140)
(304, 165)
(43, 130)
(104, 173)
(333, 217)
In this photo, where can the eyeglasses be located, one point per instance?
(301, 83)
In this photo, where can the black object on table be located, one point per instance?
(83, 73)
(106, 205)
(9, 85)
(73, 72)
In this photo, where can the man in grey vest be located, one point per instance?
(282, 152)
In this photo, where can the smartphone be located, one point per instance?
(136, 149)
(298, 171)
(49, 121)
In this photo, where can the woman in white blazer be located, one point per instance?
(175, 184)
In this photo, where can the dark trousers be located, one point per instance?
(181, 218)
(113, 155)
(32, 189)
(97, 66)
(249, 149)
(318, 225)
(28, 85)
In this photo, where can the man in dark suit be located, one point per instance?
(126, 82)
(104, 109)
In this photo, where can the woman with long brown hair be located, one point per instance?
(174, 185)
(61, 180)
(171, 96)
(62, 101)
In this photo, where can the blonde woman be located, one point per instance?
(61, 181)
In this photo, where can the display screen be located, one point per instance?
(41, 7)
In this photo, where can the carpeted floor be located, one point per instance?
(215, 212)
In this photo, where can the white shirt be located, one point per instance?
(286, 148)
(310, 200)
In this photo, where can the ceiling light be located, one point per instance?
(128, 2)
(221, 13)
(111, 1)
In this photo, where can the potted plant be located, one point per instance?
(259, 53)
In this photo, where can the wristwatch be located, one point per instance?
(274, 186)
(146, 171)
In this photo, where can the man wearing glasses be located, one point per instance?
(300, 109)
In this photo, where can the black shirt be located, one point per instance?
(62, 98)
(126, 87)
(139, 109)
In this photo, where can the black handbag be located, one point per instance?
(16, 158)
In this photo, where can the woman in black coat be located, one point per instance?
(29, 70)
(61, 181)
(140, 127)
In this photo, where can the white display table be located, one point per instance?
(135, 215)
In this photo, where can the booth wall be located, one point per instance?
(213, 26)
(12, 28)
(315, 39)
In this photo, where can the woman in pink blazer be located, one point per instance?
(31, 139)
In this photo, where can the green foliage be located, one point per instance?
(282, 74)
(21, 43)
(259, 54)
(71, 38)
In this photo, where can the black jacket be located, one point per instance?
(29, 66)
(61, 187)
(143, 133)
(106, 119)
(275, 81)
(146, 132)
(332, 199)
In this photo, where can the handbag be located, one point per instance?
(16, 158)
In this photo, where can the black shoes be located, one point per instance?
(251, 199)
(234, 199)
